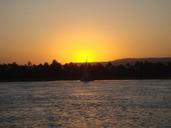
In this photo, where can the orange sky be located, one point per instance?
(73, 30)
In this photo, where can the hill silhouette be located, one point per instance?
(134, 60)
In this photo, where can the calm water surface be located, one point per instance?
(98, 104)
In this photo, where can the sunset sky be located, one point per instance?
(73, 30)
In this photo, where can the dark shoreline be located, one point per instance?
(46, 80)
(56, 72)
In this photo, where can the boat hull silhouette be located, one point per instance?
(86, 77)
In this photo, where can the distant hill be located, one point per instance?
(134, 60)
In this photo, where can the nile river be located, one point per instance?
(97, 104)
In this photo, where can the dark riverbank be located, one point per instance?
(46, 80)
(109, 71)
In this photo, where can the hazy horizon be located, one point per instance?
(72, 30)
(119, 59)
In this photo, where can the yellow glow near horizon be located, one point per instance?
(84, 55)
(80, 43)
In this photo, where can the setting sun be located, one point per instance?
(84, 55)
(81, 43)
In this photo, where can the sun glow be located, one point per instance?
(79, 44)
(84, 55)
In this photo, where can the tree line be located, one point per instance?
(73, 71)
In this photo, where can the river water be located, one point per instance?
(97, 104)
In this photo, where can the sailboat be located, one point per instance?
(86, 75)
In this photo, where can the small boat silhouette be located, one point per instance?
(86, 77)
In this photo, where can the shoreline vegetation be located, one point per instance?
(98, 71)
